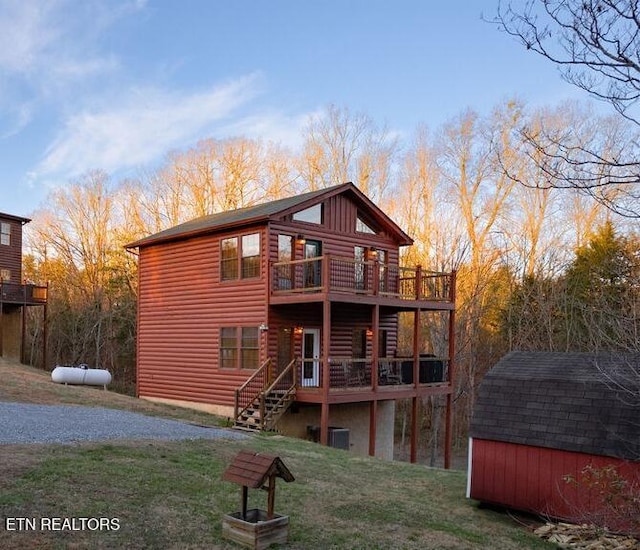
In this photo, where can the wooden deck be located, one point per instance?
(350, 380)
(13, 293)
(365, 281)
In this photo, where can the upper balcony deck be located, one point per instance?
(364, 281)
(28, 294)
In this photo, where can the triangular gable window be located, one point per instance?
(312, 214)
(364, 227)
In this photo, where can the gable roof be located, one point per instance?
(582, 402)
(262, 213)
(252, 469)
(11, 217)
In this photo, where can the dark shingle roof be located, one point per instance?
(582, 402)
(13, 217)
(257, 213)
(253, 469)
(262, 213)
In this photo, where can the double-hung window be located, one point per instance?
(5, 233)
(239, 347)
(240, 257)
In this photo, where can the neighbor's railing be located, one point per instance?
(23, 294)
(359, 277)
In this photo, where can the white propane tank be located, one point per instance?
(77, 375)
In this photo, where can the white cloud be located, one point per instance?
(143, 129)
(25, 33)
(270, 125)
(15, 119)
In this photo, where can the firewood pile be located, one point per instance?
(585, 537)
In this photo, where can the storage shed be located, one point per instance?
(558, 434)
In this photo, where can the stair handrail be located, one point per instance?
(261, 370)
(288, 369)
(284, 372)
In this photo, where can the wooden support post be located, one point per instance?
(271, 496)
(23, 329)
(1, 321)
(376, 276)
(324, 424)
(326, 372)
(375, 346)
(414, 430)
(45, 336)
(373, 423)
(448, 433)
(245, 494)
(416, 348)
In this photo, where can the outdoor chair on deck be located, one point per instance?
(387, 374)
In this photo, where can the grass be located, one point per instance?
(171, 494)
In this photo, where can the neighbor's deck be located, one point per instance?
(17, 294)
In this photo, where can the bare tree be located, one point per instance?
(341, 146)
(91, 306)
(596, 45)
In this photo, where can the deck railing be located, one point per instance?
(346, 372)
(350, 373)
(347, 275)
(14, 293)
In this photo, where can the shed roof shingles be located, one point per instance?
(561, 400)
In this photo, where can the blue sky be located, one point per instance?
(116, 84)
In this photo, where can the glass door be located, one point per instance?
(311, 357)
(312, 269)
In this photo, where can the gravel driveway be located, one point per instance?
(27, 423)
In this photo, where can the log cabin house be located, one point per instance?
(285, 316)
(16, 295)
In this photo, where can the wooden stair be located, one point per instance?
(262, 410)
(276, 404)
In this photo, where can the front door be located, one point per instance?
(311, 357)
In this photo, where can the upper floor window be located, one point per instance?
(312, 214)
(5, 233)
(5, 275)
(364, 227)
(240, 257)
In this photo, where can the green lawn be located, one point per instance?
(171, 495)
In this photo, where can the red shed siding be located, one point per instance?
(182, 305)
(11, 255)
(532, 479)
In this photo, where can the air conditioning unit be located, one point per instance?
(338, 437)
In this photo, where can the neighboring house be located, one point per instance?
(542, 418)
(285, 315)
(15, 295)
